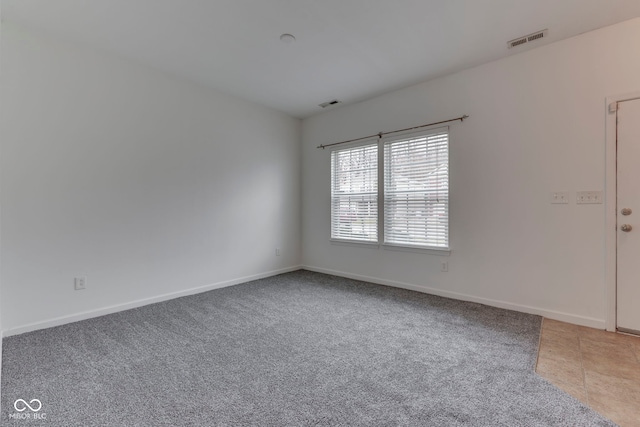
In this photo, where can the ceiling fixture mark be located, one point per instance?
(527, 39)
(287, 38)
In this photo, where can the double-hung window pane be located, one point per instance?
(416, 190)
(354, 193)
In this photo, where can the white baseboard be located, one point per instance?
(550, 314)
(138, 303)
(564, 317)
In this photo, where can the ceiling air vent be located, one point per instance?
(330, 103)
(527, 39)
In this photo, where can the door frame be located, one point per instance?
(611, 213)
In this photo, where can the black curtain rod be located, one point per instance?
(381, 134)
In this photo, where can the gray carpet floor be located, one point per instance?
(299, 349)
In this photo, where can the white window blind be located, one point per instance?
(416, 190)
(354, 193)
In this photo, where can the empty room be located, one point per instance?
(319, 213)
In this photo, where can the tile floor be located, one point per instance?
(601, 369)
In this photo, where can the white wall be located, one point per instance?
(145, 184)
(1, 333)
(151, 186)
(537, 125)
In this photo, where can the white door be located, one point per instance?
(628, 219)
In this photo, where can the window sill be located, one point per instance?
(356, 243)
(391, 247)
(416, 249)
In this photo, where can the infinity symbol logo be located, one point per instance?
(26, 405)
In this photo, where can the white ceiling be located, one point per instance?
(345, 49)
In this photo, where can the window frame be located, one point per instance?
(381, 242)
(338, 240)
(405, 136)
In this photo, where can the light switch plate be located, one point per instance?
(589, 197)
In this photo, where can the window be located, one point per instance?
(354, 193)
(416, 191)
(414, 197)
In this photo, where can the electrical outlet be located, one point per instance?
(444, 266)
(278, 252)
(560, 197)
(80, 283)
